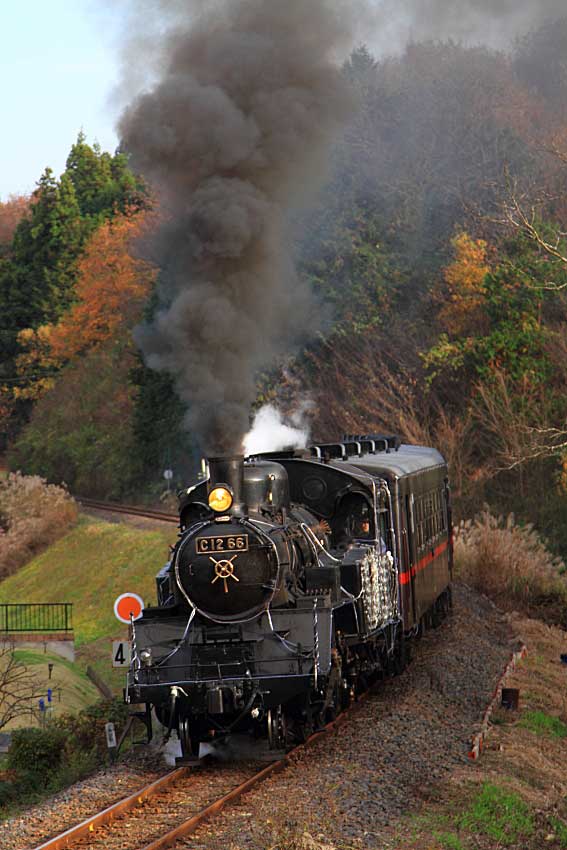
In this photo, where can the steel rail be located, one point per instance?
(134, 510)
(88, 826)
(191, 824)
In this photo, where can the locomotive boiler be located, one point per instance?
(296, 581)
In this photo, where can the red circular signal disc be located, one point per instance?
(128, 606)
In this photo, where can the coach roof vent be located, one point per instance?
(353, 445)
(383, 442)
(329, 451)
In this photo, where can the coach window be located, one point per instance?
(417, 522)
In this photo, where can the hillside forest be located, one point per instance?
(437, 253)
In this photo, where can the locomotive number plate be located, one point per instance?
(232, 543)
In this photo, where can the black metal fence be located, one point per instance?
(36, 617)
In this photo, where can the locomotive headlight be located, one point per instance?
(220, 500)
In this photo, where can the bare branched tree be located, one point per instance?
(361, 389)
(515, 437)
(526, 221)
(374, 383)
(495, 406)
(521, 212)
(18, 687)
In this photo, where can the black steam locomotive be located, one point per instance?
(296, 581)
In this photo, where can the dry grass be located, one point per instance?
(304, 841)
(33, 514)
(511, 563)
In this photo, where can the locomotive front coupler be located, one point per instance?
(224, 698)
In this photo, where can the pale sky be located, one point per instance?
(59, 64)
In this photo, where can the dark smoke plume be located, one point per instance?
(495, 23)
(234, 132)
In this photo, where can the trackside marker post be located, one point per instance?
(110, 733)
(128, 606)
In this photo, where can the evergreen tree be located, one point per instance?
(91, 176)
(38, 282)
(160, 439)
(103, 183)
(45, 250)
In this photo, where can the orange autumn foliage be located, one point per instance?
(464, 278)
(112, 288)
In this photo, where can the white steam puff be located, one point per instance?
(269, 433)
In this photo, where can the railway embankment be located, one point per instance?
(89, 567)
(515, 795)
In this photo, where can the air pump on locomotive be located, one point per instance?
(295, 582)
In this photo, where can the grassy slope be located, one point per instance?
(515, 796)
(90, 567)
(71, 689)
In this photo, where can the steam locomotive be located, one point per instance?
(297, 580)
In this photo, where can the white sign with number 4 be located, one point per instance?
(121, 651)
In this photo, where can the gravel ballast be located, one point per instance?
(75, 804)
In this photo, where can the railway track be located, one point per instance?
(157, 815)
(186, 796)
(132, 510)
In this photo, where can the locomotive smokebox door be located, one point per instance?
(229, 571)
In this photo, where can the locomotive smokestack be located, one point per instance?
(229, 471)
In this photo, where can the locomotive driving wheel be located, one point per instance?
(277, 728)
(189, 738)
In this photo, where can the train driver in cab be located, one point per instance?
(352, 520)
